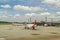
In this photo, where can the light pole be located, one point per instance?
(29, 20)
(30, 17)
(46, 19)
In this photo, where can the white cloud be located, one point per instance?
(30, 14)
(5, 6)
(45, 14)
(20, 18)
(3, 17)
(56, 3)
(26, 8)
(4, 12)
(40, 17)
(16, 16)
(50, 1)
(58, 12)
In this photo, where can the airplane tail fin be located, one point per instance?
(34, 24)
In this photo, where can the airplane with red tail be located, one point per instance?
(30, 26)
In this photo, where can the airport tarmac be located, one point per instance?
(10, 32)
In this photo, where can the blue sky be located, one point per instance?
(21, 10)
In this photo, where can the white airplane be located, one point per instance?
(30, 26)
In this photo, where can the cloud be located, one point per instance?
(3, 17)
(30, 14)
(50, 1)
(56, 3)
(2, 12)
(26, 8)
(58, 12)
(5, 6)
(16, 16)
(40, 16)
(20, 18)
(45, 14)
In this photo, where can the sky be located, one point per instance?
(22, 10)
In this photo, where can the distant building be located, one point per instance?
(48, 23)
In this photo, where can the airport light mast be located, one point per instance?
(30, 17)
(45, 19)
(46, 15)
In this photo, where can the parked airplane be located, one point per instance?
(30, 26)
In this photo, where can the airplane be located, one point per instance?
(30, 26)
